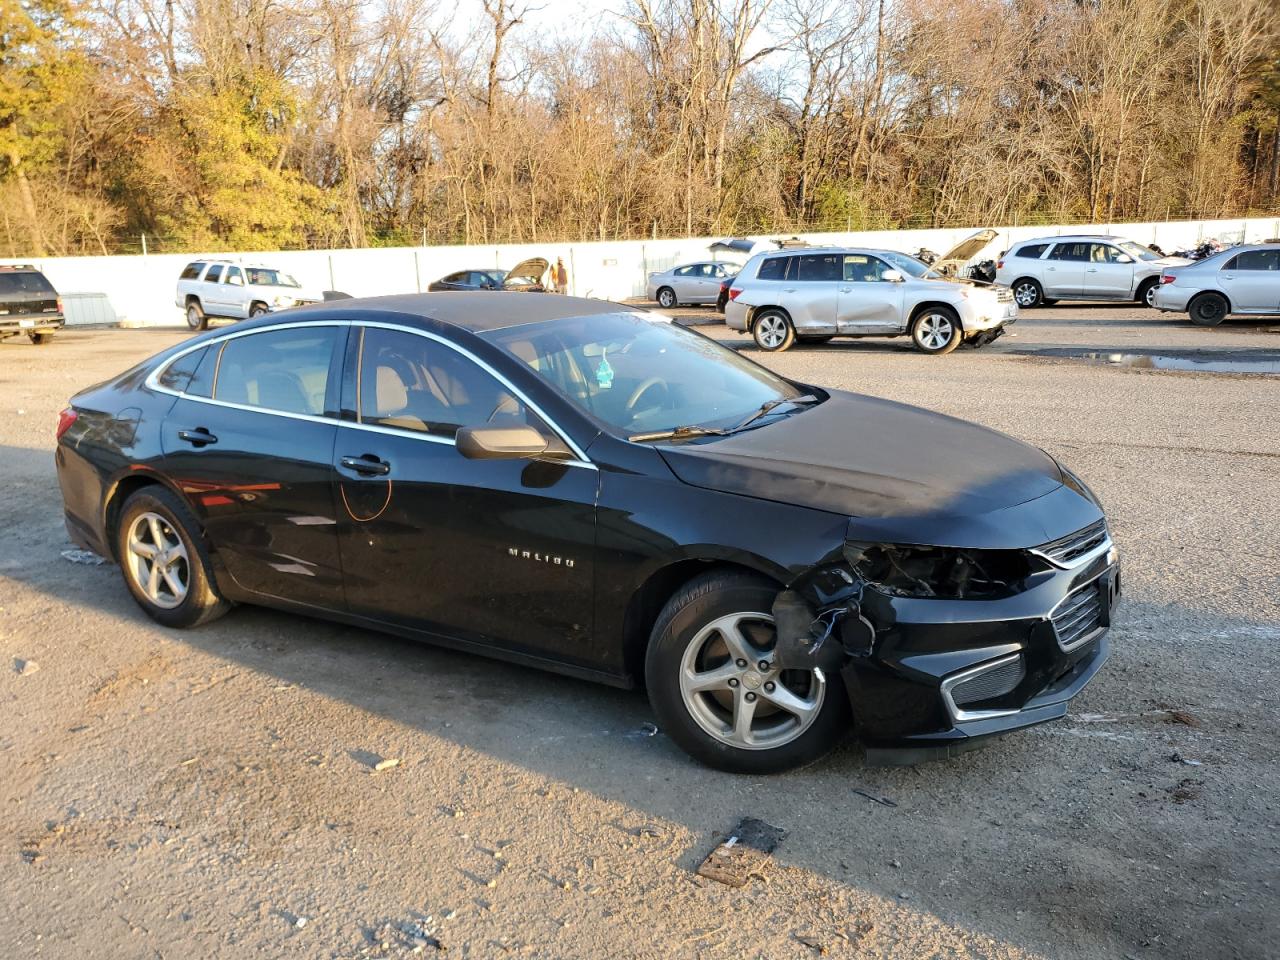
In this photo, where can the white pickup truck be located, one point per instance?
(223, 289)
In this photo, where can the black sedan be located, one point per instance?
(584, 487)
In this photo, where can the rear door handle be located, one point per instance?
(367, 464)
(199, 437)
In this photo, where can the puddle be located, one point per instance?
(1268, 363)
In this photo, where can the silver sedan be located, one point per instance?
(1244, 280)
(689, 283)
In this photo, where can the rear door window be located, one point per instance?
(214, 274)
(288, 370)
(1258, 260)
(177, 375)
(820, 267)
(1071, 251)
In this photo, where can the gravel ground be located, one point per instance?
(213, 794)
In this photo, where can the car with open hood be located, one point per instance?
(526, 276)
(584, 487)
(817, 293)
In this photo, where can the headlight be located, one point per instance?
(945, 573)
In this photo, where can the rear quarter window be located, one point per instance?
(772, 268)
(1032, 251)
(191, 271)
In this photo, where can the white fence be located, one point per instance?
(140, 288)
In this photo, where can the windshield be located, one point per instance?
(262, 277)
(1137, 250)
(640, 373)
(911, 266)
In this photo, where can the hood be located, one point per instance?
(904, 474)
(964, 251)
(526, 270)
(732, 245)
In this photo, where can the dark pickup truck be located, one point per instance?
(28, 304)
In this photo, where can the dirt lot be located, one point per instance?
(212, 793)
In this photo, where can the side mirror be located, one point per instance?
(892, 276)
(1124, 258)
(500, 443)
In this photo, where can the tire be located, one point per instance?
(1208, 309)
(772, 331)
(1147, 292)
(196, 319)
(41, 339)
(667, 298)
(936, 330)
(1027, 293)
(258, 310)
(705, 620)
(156, 512)
(816, 340)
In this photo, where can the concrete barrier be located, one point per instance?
(140, 288)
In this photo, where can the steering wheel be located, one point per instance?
(645, 385)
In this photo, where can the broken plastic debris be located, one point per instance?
(386, 764)
(744, 854)
(883, 801)
(24, 667)
(83, 556)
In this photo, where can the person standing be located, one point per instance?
(560, 276)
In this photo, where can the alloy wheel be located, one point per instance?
(666, 299)
(1026, 294)
(771, 331)
(735, 693)
(935, 331)
(1149, 297)
(157, 561)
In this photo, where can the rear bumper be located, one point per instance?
(15, 324)
(1170, 297)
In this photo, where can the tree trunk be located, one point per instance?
(28, 205)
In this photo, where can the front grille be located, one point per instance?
(1068, 549)
(1078, 616)
(1004, 294)
(993, 683)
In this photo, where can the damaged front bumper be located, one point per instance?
(928, 678)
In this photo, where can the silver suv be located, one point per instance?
(1042, 272)
(224, 289)
(815, 294)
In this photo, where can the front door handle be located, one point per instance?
(1092, 270)
(199, 437)
(367, 464)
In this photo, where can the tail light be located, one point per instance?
(60, 310)
(65, 419)
(1167, 278)
(733, 292)
(999, 264)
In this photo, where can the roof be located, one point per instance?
(480, 310)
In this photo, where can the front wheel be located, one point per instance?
(667, 298)
(258, 310)
(715, 690)
(1027, 293)
(936, 331)
(41, 339)
(1208, 309)
(773, 331)
(164, 561)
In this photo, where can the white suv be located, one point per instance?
(220, 288)
(815, 294)
(1042, 272)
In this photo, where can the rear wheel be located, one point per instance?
(713, 686)
(1147, 292)
(936, 331)
(773, 331)
(164, 561)
(40, 339)
(1028, 293)
(1208, 309)
(667, 298)
(196, 319)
